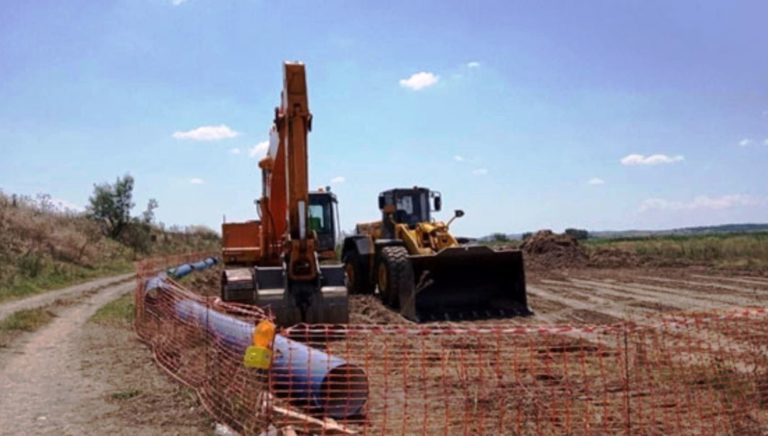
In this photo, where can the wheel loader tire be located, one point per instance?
(358, 280)
(395, 275)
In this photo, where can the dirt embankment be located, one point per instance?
(546, 250)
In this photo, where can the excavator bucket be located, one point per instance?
(463, 283)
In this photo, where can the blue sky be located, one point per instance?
(527, 115)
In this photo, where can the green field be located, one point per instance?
(730, 251)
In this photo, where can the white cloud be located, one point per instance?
(702, 202)
(196, 181)
(419, 81)
(480, 172)
(596, 181)
(259, 149)
(654, 159)
(62, 205)
(473, 64)
(207, 133)
(745, 142)
(458, 158)
(178, 2)
(338, 179)
(766, 141)
(234, 150)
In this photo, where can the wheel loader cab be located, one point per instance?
(407, 206)
(323, 212)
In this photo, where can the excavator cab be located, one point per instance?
(323, 220)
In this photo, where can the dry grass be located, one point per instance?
(119, 312)
(23, 321)
(42, 249)
(747, 251)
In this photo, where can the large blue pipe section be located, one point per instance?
(186, 268)
(306, 374)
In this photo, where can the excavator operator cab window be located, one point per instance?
(322, 221)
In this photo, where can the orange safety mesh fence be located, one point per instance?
(700, 373)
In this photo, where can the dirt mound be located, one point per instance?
(546, 249)
(611, 257)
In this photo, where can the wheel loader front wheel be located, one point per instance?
(394, 275)
(358, 279)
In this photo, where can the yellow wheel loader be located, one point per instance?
(421, 269)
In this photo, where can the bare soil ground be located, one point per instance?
(76, 377)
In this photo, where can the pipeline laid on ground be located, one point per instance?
(186, 268)
(304, 374)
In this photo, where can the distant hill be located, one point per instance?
(685, 231)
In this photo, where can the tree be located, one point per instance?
(149, 214)
(111, 205)
(499, 237)
(577, 234)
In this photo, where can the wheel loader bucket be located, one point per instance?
(463, 283)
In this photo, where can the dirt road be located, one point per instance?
(69, 292)
(74, 377)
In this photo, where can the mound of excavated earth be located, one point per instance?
(545, 249)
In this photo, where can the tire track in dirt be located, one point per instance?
(621, 297)
(746, 280)
(707, 286)
(44, 390)
(639, 295)
(685, 298)
(610, 313)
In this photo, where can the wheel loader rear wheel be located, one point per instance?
(395, 275)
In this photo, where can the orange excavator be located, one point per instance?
(275, 262)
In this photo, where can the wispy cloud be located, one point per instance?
(178, 2)
(338, 179)
(196, 181)
(458, 158)
(745, 142)
(654, 159)
(259, 149)
(234, 150)
(473, 64)
(419, 81)
(61, 205)
(207, 133)
(595, 181)
(702, 202)
(480, 172)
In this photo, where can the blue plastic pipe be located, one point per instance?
(302, 373)
(186, 268)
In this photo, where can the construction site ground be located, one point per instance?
(74, 376)
(576, 297)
